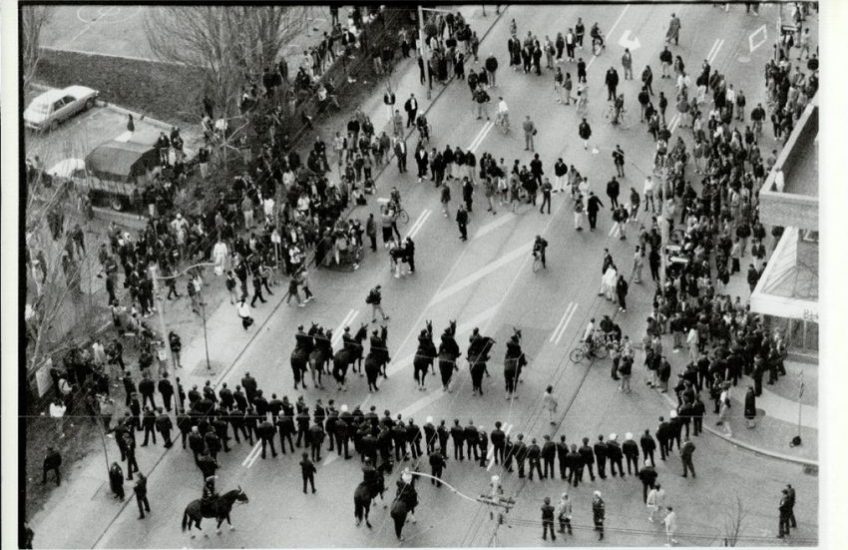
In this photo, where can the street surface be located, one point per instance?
(488, 283)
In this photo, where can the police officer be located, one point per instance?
(266, 432)
(615, 455)
(413, 438)
(429, 435)
(600, 449)
(437, 463)
(498, 439)
(458, 436)
(576, 461)
(472, 440)
(631, 453)
(648, 446)
(307, 472)
(598, 514)
(140, 490)
(316, 439)
(148, 423)
(519, 452)
(166, 390)
(534, 454)
(164, 427)
(548, 456)
(588, 457)
(444, 435)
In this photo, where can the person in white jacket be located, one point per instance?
(655, 501)
(670, 522)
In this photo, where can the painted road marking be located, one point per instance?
(491, 455)
(675, 121)
(754, 44)
(491, 226)
(609, 33)
(348, 319)
(563, 323)
(419, 223)
(711, 57)
(523, 250)
(461, 329)
(625, 41)
(483, 133)
(567, 321)
(251, 456)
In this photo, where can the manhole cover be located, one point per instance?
(811, 470)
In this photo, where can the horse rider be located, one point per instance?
(210, 495)
(304, 341)
(379, 349)
(407, 493)
(371, 476)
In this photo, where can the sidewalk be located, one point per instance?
(86, 484)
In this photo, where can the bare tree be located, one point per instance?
(232, 43)
(734, 517)
(33, 18)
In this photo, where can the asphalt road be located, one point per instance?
(488, 283)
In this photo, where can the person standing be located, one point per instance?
(549, 403)
(529, 132)
(400, 153)
(462, 222)
(598, 513)
(546, 189)
(578, 213)
(491, 65)
(655, 501)
(790, 491)
(631, 454)
(563, 513)
(611, 81)
(670, 522)
(600, 449)
(547, 519)
(648, 477)
(548, 456)
(618, 160)
(51, 463)
(673, 30)
(437, 464)
(411, 108)
(587, 457)
(140, 490)
(648, 446)
(534, 456)
(686, 456)
(116, 481)
(750, 407)
(627, 64)
(585, 132)
(307, 472)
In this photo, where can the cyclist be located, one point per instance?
(597, 38)
(539, 247)
(503, 113)
(618, 108)
(588, 336)
(394, 199)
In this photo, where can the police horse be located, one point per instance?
(300, 355)
(374, 485)
(377, 359)
(448, 355)
(322, 351)
(478, 356)
(514, 361)
(425, 356)
(404, 504)
(348, 355)
(219, 509)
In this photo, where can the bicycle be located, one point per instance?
(621, 121)
(537, 261)
(401, 214)
(598, 350)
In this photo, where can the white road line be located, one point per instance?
(417, 221)
(479, 135)
(461, 329)
(609, 33)
(348, 319)
(415, 231)
(251, 456)
(491, 226)
(675, 121)
(566, 317)
(561, 321)
(486, 129)
(480, 273)
(712, 49)
(567, 321)
(719, 44)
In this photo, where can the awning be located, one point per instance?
(788, 287)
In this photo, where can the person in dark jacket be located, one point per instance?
(307, 472)
(600, 449)
(648, 477)
(562, 456)
(266, 432)
(588, 457)
(614, 455)
(534, 456)
(116, 481)
(648, 446)
(472, 440)
(51, 463)
(140, 490)
(316, 439)
(437, 463)
(631, 453)
(750, 407)
(548, 456)
(164, 426)
(575, 462)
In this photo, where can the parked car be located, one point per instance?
(53, 107)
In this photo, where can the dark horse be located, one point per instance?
(425, 355)
(319, 355)
(366, 492)
(300, 355)
(514, 361)
(348, 355)
(377, 358)
(448, 354)
(219, 509)
(478, 355)
(404, 503)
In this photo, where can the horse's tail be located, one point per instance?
(185, 519)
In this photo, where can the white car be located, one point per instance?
(53, 107)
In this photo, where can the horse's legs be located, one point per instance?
(230, 523)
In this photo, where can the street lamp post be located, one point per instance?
(156, 277)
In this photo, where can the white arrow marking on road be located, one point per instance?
(491, 226)
(422, 219)
(480, 273)
(751, 45)
(461, 330)
(625, 42)
(609, 33)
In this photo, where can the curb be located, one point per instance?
(752, 448)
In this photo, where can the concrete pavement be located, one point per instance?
(551, 307)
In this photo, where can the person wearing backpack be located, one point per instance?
(374, 299)
(482, 99)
